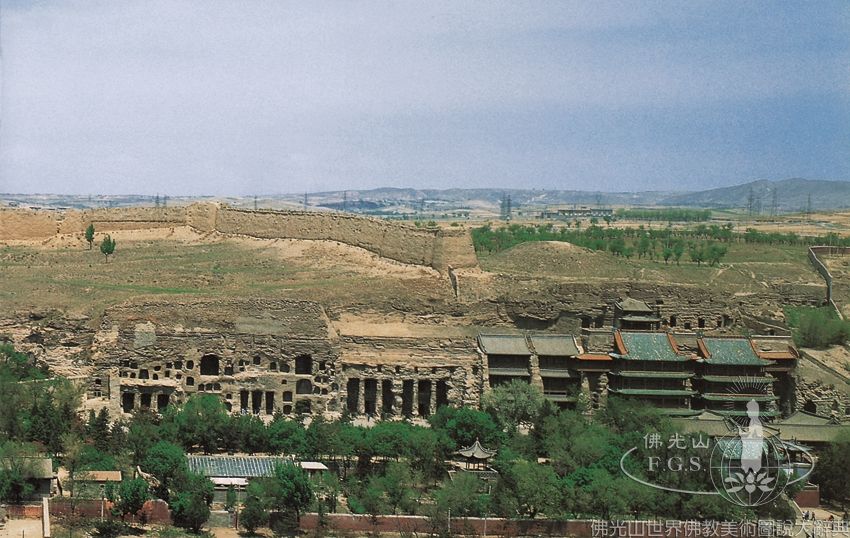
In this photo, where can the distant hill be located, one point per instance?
(791, 195)
(519, 197)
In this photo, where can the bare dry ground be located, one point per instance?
(62, 273)
(358, 288)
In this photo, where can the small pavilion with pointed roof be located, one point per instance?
(476, 455)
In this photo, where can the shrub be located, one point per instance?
(817, 327)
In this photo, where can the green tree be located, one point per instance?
(254, 514)
(678, 250)
(190, 508)
(107, 246)
(90, 235)
(249, 431)
(71, 460)
(16, 472)
(528, 489)
(464, 425)
(142, 434)
(287, 436)
(289, 491)
(514, 404)
(715, 252)
(132, 495)
(167, 462)
(697, 253)
(831, 470)
(202, 421)
(463, 496)
(327, 491)
(230, 499)
(397, 484)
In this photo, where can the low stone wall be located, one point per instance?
(154, 511)
(527, 527)
(820, 267)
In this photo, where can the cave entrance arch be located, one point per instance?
(210, 364)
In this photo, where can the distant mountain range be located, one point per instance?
(787, 195)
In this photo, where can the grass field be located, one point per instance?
(746, 267)
(81, 281)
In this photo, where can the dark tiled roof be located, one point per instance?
(633, 305)
(503, 344)
(476, 451)
(234, 466)
(555, 346)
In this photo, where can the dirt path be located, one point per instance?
(22, 528)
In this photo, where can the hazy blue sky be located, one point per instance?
(215, 97)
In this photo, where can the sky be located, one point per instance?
(192, 97)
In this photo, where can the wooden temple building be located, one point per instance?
(683, 374)
(634, 315)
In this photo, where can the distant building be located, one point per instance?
(577, 213)
(237, 471)
(634, 315)
(38, 472)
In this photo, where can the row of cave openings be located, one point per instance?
(210, 365)
(250, 402)
(420, 398)
(588, 322)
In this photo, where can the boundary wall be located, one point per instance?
(820, 267)
(433, 247)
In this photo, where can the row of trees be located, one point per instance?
(398, 467)
(490, 240)
(619, 242)
(670, 214)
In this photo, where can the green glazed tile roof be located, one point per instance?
(649, 347)
(732, 351)
(737, 413)
(738, 397)
(680, 412)
(650, 375)
(560, 397)
(654, 392)
(737, 379)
